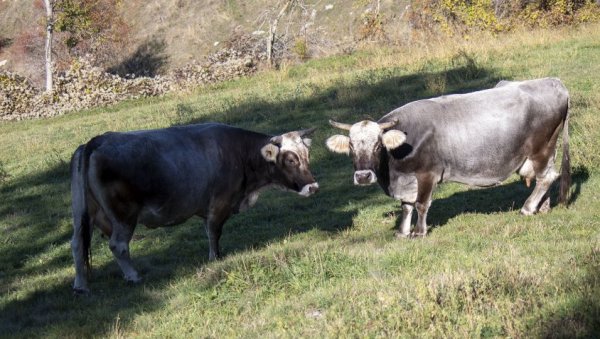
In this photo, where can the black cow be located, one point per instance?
(163, 177)
(478, 139)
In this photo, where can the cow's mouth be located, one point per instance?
(364, 177)
(309, 189)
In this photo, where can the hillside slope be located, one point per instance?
(329, 265)
(186, 30)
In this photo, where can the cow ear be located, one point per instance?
(269, 152)
(307, 141)
(393, 139)
(339, 144)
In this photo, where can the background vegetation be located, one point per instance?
(328, 265)
(149, 38)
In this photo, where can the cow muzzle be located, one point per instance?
(364, 177)
(309, 189)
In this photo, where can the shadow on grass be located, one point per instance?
(502, 198)
(32, 207)
(148, 60)
(39, 202)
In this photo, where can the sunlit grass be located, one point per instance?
(327, 266)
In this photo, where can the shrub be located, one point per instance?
(301, 48)
(83, 85)
(461, 16)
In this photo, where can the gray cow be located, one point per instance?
(478, 139)
(164, 177)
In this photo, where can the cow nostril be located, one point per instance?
(363, 176)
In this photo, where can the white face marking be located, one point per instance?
(292, 142)
(364, 136)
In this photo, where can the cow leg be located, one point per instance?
(545, 204)
(214, 227)
(404, 230)
(425, 188)
(543, 181)
(545, 175)
(119, 245)
(213, 231)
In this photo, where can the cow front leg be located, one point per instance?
(425, 188)
(213, 231)
(214, 228)
(119, 245)
(405, 223)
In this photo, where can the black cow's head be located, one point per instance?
(289, 153)
(364, 145)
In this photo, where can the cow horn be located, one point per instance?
(339, 125)
(277, 140)
(306, 132)
(387, 125)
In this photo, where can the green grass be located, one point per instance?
(329, 265)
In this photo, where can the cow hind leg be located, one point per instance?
(545, 175)
(119, 245)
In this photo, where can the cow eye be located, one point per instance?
(290, 162)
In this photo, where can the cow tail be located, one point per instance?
(565, 167)
(82, 233)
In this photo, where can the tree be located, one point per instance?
(273, 29)
(49, 4)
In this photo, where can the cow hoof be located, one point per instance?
(414, 235)
(545, 207)
(81, 291)
(133, 280)
(525, 211)
(401, 235)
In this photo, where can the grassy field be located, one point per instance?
(329, 265)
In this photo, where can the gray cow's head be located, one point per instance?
(364, 145)
(289, 154)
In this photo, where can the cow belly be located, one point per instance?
(484, 172)
(153, 217)
(480, 179)
(403, 187)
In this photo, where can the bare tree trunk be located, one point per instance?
(49, 29)
(273, 30)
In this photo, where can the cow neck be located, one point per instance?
(383, 171)
(258, 172)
